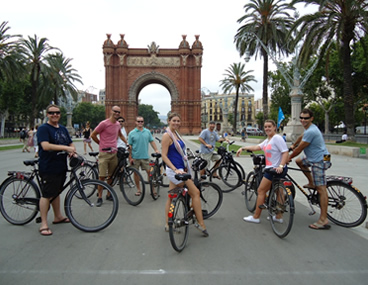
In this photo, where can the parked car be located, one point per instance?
(254, 131)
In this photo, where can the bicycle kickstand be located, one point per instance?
(312, 212)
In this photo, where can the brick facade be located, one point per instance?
(129, 70)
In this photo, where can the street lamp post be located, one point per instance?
(294, 127)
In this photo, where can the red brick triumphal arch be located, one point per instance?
(129, 70)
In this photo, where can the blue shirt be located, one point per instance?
(316, 148)
(50, 161)
(210, 138)
(139, 140)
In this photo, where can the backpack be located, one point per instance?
(23, 134)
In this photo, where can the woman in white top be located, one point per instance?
(276, 154)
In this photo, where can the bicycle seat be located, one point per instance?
(156, 154)
(183, 177)
(93, 153)
(30, 162)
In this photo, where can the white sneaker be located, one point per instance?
(276, 220)
(250, 219)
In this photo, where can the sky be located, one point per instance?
(78, 28)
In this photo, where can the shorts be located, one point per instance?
(270, 176)
(87, 140)
(107, 163)
(171, 175)
(210, 157)
(143, 163)
(52, 184)
(318, 170)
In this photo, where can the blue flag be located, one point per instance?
(280, 118)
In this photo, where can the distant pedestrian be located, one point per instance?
(23, 138)
(87, 137)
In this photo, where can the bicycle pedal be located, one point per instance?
(38, 220)
(243, 193)
(262, 206)
(311, 213)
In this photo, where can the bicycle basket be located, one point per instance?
(122, 153)
(75, 161)
(199, 163)
(221, 150)
(259, 159)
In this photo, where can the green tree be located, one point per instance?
(150, 116)
(340, 20)
(237, 78)
(266, 25)
(35, 51)
(85, 112)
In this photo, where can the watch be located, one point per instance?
(281, 166)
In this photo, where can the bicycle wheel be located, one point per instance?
(346, 204)
(230, 177)
(250, 192)
(19, 200)
(129, 180)
(240, 168)
(165, 180)
(178, 225)
(211, 198)
(84, 214)
(281, 209)
(155, 182)
(87, 171)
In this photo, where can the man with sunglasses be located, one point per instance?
(106, 135)
(316, 156)
(52, 139)
(138, 139)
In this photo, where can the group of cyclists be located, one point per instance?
(174, 155)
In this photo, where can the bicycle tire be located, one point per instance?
(128, 186)
(155, 182)
(230, 177)
(84, 214)
(178, 225)
(19, 200)
(211, 198)
(86, 171)
(165, 180)
(347, 207)
(240, 168)
(281, 209)
(250, 191)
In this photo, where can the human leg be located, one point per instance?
(44, 208)
(302, 165)
(85, 146)
(263, 187)
(196, 202)
(90, 146)
(319, 178)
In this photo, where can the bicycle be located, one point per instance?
(123, 175)
(181, 215)
(20, 195)
(347, 207)
(155, 176)
(230, 172)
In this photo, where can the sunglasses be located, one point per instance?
(121, 121)
(118, 112)
(54, 113)
(304, 118)
(140, 121)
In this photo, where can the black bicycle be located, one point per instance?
(181, 215)
(20, 195)
(128, 178)
(347, 207)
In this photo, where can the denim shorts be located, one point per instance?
(171, 175)
(270, 176)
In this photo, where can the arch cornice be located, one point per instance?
(152, 77)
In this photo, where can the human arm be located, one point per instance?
(47, 146)
(121, 136)
(202, 141)
(284, 160)
(153, 144)
(95, 137)
(297, 142)
(251, 148)
(296, 151)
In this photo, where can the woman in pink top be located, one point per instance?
(276, 154)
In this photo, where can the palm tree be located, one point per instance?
(339, 20)
(10, 54)
(35, 52)
(266, 24)
(239, 79)
(59, 79)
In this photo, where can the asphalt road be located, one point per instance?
(135, 249)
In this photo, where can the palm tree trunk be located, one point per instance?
(265, 85)
(348, 90)
(236, 110)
